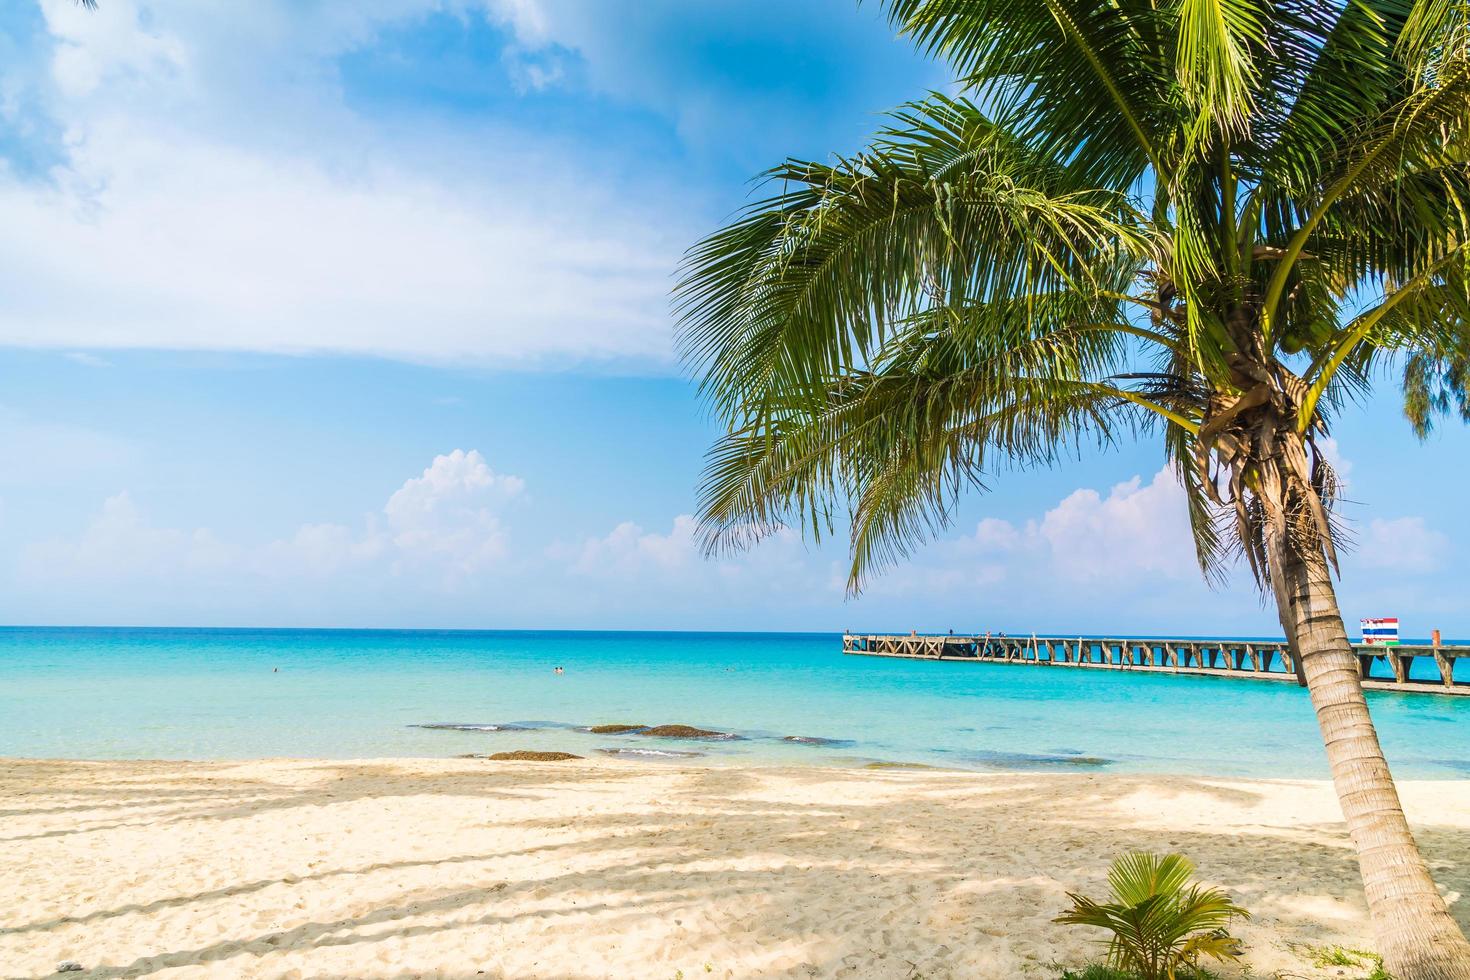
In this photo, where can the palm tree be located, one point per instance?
(1210, 221)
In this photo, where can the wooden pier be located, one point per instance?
(1254, 659)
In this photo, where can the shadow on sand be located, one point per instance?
(717, 849)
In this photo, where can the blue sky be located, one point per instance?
(357, 315)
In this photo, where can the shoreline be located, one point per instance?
(697, 761)
(605, 867)
(856, 768)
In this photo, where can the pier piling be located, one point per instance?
(1254, 659)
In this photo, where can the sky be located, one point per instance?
(324, 314)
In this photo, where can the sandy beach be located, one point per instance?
(470, 868)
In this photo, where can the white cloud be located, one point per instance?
(120, 544)
(1133, 539)
(320, 550)
(433, 532)
(436, 530)
(994, 534)
(1135, 532)
(217, 194)
(242, 177)
(630, 550)
(108, 45)
(447, 515)
(446, 548)
(1136, 528)
(192, 245)
(630, 560)
(1402, 544)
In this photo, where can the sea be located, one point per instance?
(776, 699)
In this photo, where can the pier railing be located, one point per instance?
(1256, 659)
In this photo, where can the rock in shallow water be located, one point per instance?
(684, 731)
(615, 729)
(526, 755)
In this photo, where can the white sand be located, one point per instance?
(457, 868)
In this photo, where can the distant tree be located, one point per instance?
(1211, 221)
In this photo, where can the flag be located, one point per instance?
(1381, 632)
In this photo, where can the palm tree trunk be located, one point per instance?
(1416, 935)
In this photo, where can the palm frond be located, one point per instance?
(1217, 59)
(1101, 71)
(815, 277)
(1018, 379)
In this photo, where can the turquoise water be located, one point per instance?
(219, 694)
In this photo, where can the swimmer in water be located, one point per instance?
(559, 670)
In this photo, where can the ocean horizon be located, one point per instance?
(780, 699)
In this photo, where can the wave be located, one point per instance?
(652, 753)
(455, 726)
(831, 743)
